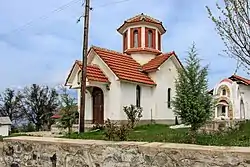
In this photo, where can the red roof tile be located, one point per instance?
(94, 73)
(226, 80)
(141, 17)
(144, 18)
(156, 62)
(239, 78)
(124, 66)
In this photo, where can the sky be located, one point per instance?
(40, 40)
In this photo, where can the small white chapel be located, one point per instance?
(141, 74)
(232, 97)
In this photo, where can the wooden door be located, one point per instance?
(98, 106)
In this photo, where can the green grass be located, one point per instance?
(162, 133)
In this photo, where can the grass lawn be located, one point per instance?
(162, 133)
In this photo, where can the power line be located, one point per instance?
(111, 3)
(60, 8)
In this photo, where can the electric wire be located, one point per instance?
(111, 3)
(59, 9)
(43, 17)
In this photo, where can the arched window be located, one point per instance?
(150, 38)
(169, 97)
(79, 77)
(224, 92)
(138, 96)
(135, 36)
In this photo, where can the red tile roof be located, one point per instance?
(226, 80)
(94, 73)
(156, 62)
(141, 17)
(144, 18)
(239, 78)
(124, 66)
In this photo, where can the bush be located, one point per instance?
(110, 129)
(122, 132)
(133, 113)
(116, 132)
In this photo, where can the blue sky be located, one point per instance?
(43, 51)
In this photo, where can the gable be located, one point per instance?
(154, 64)
(71, 76)
(96, 59)
(172, 61)
(94, 73)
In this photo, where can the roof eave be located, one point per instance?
(72, 68)
(137, 82)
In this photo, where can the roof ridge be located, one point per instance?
(143, 15)
(108, 50)
(240, 77)
(169, 53)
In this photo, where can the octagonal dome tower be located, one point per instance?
(142, 34)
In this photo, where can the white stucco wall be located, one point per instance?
(4, 130)
(245, 93)
(111, 102)
(142, 58)
(128, 97)
(165, 78)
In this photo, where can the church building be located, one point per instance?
(140, 74)
(232, 96)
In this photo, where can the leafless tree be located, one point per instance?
(233, 26)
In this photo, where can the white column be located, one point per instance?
(227, 112)
(128, 39)
(156, 39)
(143, 37)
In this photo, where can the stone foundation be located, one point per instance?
(220, 125)
(54, 152)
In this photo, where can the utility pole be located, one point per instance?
(84, 65)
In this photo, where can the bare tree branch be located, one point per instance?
(233, 26)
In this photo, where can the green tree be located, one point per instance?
(39, 103)
(233, 26)
(10, 106)
(68, 110)
(192, 103)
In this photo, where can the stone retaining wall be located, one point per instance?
(55, 152)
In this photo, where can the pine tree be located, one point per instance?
(192, 103)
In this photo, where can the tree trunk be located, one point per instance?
(69, 130)
(193, 135)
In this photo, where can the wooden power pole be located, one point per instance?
(84, 65)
